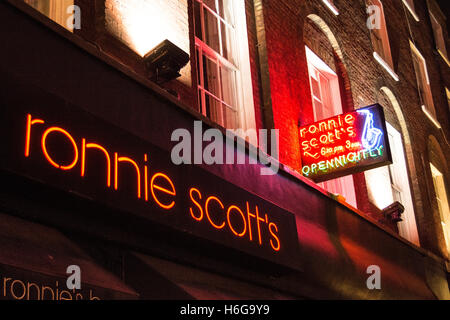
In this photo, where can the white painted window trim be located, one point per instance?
(443, 57)
(407, 227)
(386, 46)
(386, 66)
(441, 192)
(411, 10)
(244, 88)
(431, 117)
(330, 5)
(345, 183)
(447, 93)
(442, 54)
(417, 52)
(247, 108)
(425, 108)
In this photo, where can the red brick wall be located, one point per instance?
(287, 73)
(362, 79)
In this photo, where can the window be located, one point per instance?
(398, 175)
(380, 38)
(442, 202)
(410, 5)
(390, 183)
(326, 97)
(423, 84)
(56, 10)
(223, 69)
(447, 93)
(439, 37)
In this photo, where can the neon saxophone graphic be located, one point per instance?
(371, 136)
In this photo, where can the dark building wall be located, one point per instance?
(326, 228)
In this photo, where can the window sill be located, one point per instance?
(331, 6)
(386, 66)
(443, 57)
(411, 10)
(431, 117)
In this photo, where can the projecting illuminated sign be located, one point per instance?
(74, 151)
(345, 144)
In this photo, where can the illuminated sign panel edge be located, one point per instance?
(345, 144)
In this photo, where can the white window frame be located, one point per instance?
(409, 4)
(388, 184)
(398, 173)
(330, 5)
(423, 81)
(245, 114)
(439, 38)
(447, 93)
(344, 185)
(442, 201)
(384, 58)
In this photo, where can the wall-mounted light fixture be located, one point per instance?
(165, 61)
(394, 211)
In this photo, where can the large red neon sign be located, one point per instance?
(344, 144)
(239, 222)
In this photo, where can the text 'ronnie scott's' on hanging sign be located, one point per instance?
(345, 144)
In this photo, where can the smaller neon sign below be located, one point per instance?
(345, 144)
